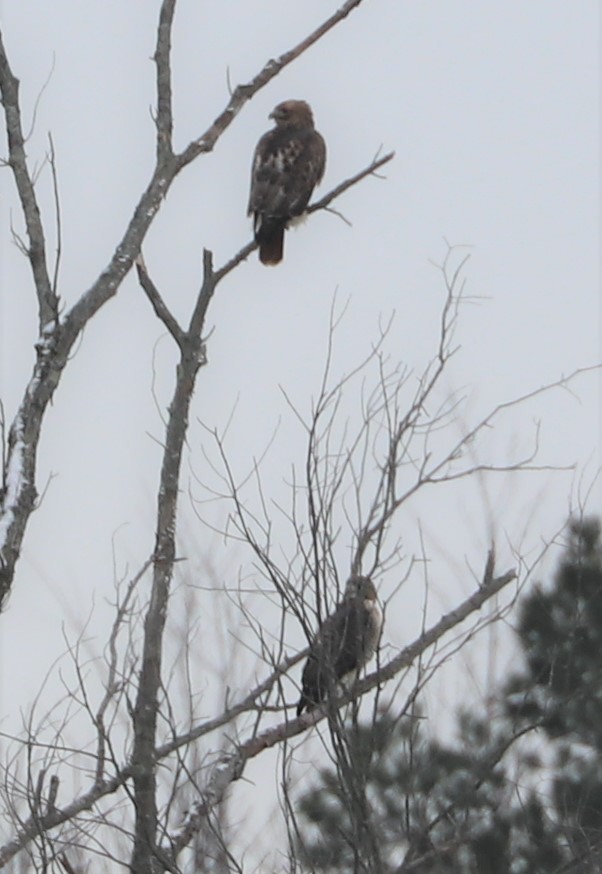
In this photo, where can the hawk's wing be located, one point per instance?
(344, 643)
(342, 638)
(287, 165)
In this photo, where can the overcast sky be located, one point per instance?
(493, 112)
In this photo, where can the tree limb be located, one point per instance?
(158, 304)
(243, 93)
(164, 119)
(36, 251)
(144, 857)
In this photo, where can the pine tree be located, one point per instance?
(434, 807)
(560, 631)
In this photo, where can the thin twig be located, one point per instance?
(158, 304)
(57, 217)
(36, 251)
(348, 183)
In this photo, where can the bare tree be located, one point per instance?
(148, 785)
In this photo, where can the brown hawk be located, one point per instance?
(288, 163)
(345, 641)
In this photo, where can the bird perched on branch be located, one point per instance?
(289, 162)
(345, 641)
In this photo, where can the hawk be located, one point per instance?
(288, 163)
(345, 641)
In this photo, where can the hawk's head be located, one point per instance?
(360, 588)
(293, 113)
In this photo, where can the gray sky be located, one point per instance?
(492, 110)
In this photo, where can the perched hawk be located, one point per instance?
(345, 641)
(288, 163)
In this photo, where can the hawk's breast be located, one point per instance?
(375, 624)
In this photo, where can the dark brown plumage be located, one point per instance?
(289, 162)
(345, 641)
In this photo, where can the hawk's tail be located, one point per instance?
(269, 236)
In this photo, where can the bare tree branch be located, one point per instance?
(322, 204)
(57, 217)
(243, 93)
(325, 201)
(36, 251)
(162, 60)
(192, 357)
(157, 302)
